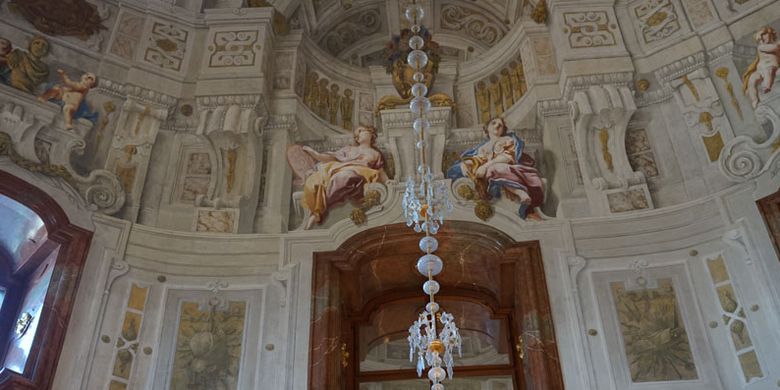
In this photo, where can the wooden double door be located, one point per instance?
(367, 293)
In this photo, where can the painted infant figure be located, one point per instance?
(72, 95)
(760, 76)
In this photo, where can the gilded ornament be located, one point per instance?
(324, 97)
(371, 199)
(396, 53)
(390, 102)
(312, 93)
(517, 79)
(483, 102)
(494, 90)
(691, 87)
(467, 192)
(723, 74)
(705, 118)
(483, 210)
(714, 145)
(775, 145)
(539, 14)
(334, 104)
(657, 18)
(167, 45)
(606, 155)
(6, 149)
(109, 108)
(358, 216)
(347, 106)
(506, 88)
(642, 85)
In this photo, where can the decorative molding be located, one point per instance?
(600, 115)
(400, 118)
(167, 46)
(548, 108)
(352, 29)
(681, 67)
(473, 23)
(582, 83)
(720, 54)
(656, 20)
(576, 264)
(589, 29)
(100, 189)
(646, 99)
(234, 113)
(233, 49)
(743, 158)
(140, 94)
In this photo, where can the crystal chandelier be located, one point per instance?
(425, 205)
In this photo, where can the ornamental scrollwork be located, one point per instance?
(472, 23)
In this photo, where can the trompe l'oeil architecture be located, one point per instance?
(247, 194)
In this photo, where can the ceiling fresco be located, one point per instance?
(351, 30)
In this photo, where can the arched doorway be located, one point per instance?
(40, 265)
(367, 293)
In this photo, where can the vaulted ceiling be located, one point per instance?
(356, 30)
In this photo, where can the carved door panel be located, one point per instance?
(736, 315)
(367, 293)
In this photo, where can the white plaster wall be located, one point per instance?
(577, 254)
(697, 214)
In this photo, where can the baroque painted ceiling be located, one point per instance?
(355, 31)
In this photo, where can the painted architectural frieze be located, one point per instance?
(658, 19)
(166, 46)
(328, 101)
(477, 24)
(233, 48)
(498, 92)
(589, 29)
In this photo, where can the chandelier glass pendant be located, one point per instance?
(426, 203)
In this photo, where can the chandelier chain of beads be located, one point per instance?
(425, 204)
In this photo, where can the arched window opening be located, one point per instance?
(41, 257)
(27, 270)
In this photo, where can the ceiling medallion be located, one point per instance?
(434, 336)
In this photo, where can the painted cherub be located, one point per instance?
(762, 72)
(5, 70)
(72, 96)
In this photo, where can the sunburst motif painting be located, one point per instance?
(656, 343)
(208, 347)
